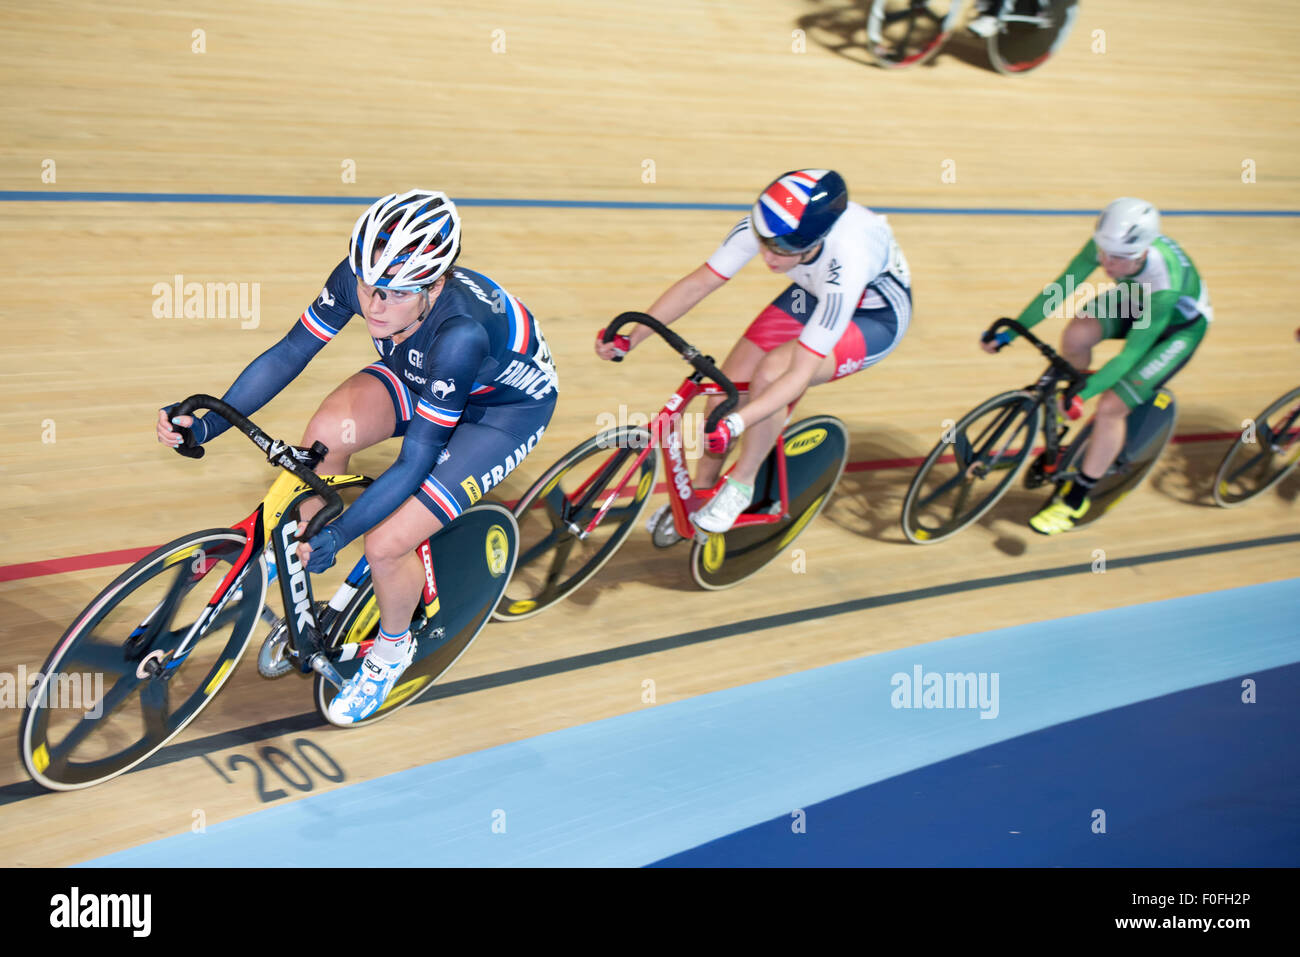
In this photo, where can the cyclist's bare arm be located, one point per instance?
(680, 298)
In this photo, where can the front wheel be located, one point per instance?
(971, 467)
(1030, 32)
(558, 549)
(115, 689)
(1265, 453)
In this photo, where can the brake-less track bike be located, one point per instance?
(165, 636)
(977, 458)
(573, 518)
(907, 33)
(1266, 452)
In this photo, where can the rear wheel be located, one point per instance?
(972, 467)
(815, 452)
(112, 692)
(1266, 451)
(472, 558)
(903, 33)
(1030, 33)
(1149, 429)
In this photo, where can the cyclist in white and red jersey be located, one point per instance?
(847, 308)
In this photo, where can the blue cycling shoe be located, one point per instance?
(363, 693)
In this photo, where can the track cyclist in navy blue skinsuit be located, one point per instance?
(464, 376)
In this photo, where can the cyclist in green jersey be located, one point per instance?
(1159, 306)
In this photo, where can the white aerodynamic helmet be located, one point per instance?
(418, 232)
(1127, 228)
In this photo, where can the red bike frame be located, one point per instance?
(666, 435)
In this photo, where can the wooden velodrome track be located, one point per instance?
(286, 96)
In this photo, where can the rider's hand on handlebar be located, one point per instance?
(996, 343)
(728, 430)
(320, 553)
(1073, 409)
(615, 350)
(167, 433)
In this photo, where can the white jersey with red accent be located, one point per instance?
(859, 249)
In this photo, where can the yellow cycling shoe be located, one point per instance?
(1058, 517)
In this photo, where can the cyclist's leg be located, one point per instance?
(368, 407)
(1156, 367)
(875, 331)
(1110, 427)
(739, 366)
(486, 445)
(760, 437)
(779, 322)
(1109, 431)
(1080, 335)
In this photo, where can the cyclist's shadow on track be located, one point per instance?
(1186, 471)
(842, 29)
(868, 502)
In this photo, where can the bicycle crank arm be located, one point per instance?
(321, 664)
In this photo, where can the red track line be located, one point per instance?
(125, 556)
(57, 566)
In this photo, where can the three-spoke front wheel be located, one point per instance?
(972, 466)
(1265, 452)
(141, 661)
(559, 548)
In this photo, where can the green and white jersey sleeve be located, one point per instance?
(1166, 294)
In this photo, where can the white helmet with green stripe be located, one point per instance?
(1127, 228)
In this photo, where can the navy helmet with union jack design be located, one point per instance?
(798, 209)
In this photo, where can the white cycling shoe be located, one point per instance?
(720, 512)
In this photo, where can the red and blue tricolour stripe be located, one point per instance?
(445, 417)
(445, 501)
(396, 388)
(316, 326)
(520, 337)
(781, 206)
